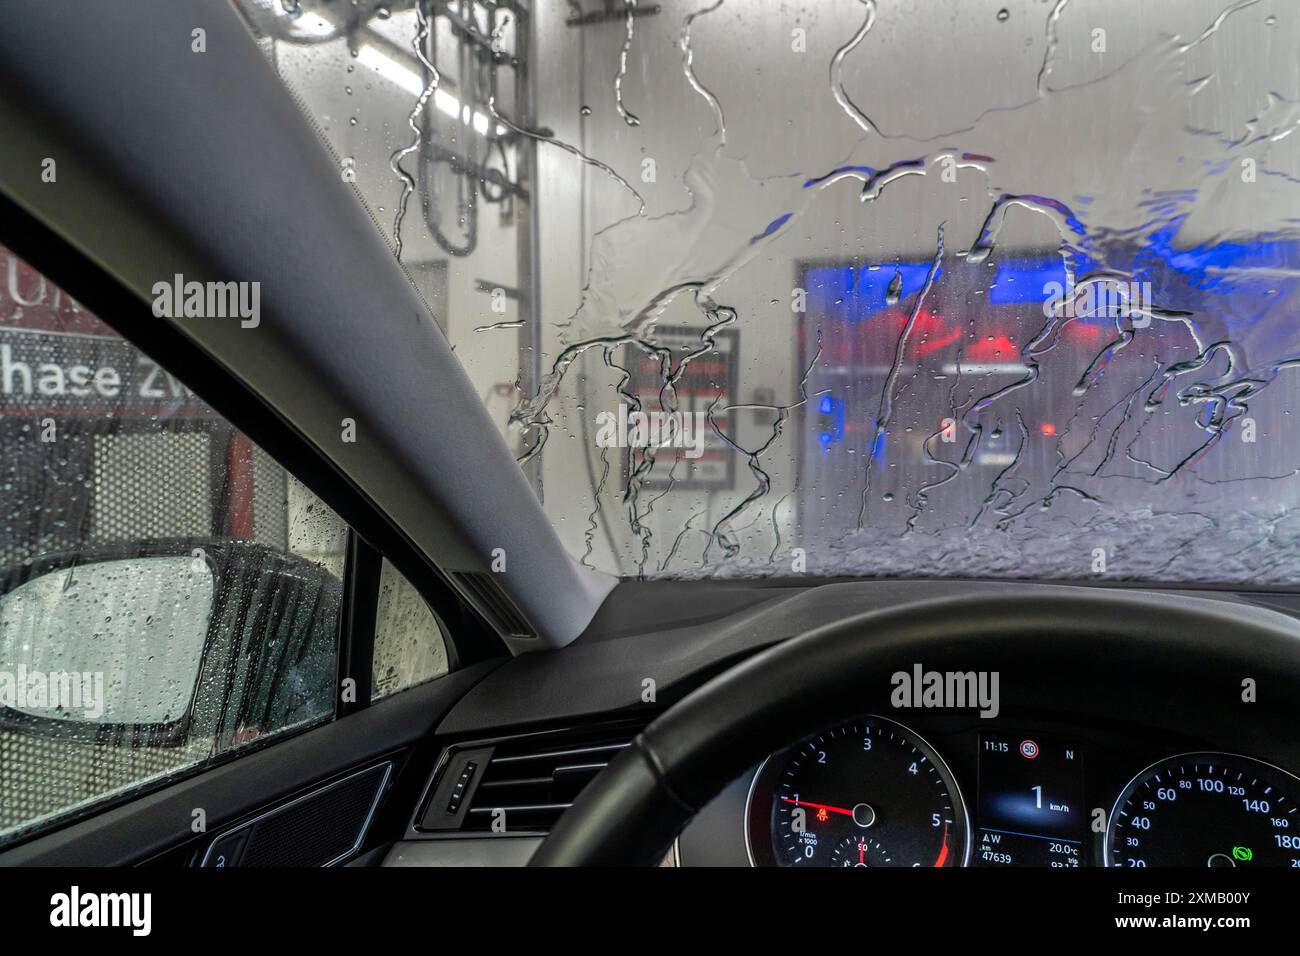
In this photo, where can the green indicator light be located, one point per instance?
(1242, 853)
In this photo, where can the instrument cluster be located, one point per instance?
(877, 792)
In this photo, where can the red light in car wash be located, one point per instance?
(1048, 429)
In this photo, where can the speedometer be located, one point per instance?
(869, 793)
(1206, 809)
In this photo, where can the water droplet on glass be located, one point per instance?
(895, 290)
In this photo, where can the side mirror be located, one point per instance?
(116, 642)
(147, 640)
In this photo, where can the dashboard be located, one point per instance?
(921, 790)
(1142, 756)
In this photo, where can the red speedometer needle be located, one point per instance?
(818, 806)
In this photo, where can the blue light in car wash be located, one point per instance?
(830, 415)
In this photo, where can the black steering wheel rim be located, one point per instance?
(1186, 654)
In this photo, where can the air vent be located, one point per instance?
(493, 603)
(528, 782)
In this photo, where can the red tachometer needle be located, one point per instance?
(943, 850)
(818, 806)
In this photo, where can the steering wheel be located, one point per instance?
(1177, 661)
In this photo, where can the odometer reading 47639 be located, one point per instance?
(1206, 809)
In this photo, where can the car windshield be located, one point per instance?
(852, 288)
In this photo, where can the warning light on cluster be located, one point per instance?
(822, 815)
(1028, 749)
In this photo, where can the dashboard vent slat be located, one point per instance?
(525, 808)
(575, 752)
(529, 781)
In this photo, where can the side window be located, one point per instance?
(409, 644)
(168, 593)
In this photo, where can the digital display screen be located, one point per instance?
(1030, 807)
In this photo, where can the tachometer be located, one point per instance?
(1206, 809)
(869, 793)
